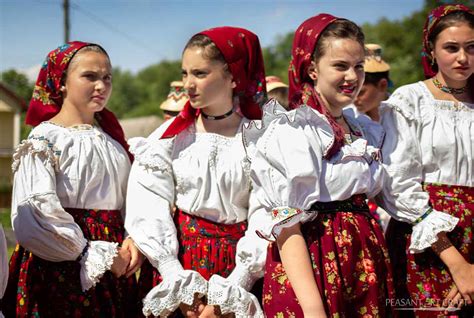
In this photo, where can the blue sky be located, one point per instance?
(139, 33)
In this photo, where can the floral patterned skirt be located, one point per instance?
(350, 262)
(39, 288)
(204, 246)
(422, 280)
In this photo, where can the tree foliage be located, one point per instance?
(141, 94)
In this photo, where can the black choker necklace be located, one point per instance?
(338, 117)
(230, 112)
(447, 89)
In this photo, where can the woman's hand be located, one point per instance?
(136, 257)
(463, 275)
(453, 300)
(121, 261)
(194, 310)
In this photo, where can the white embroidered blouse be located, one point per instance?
(290, 172)
(206, 175)
(76, 167)
(430, 141)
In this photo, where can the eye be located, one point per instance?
(451, 48)
(470, 48)
(183, 73)
(199, 73)
(341, 66)
(359, 67)
(108, 78)
(90, 76)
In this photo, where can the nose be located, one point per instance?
(351, 75)
(188, 83)
(462, 56)
(100, 86)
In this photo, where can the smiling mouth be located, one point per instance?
(347, 89)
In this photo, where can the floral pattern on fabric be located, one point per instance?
(350, 262)
(204, 246)
(39, 288)
(423, 279)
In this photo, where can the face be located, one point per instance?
(370, 97)
(89, 82)
(454, 52)
(339, 74)
(208, 84)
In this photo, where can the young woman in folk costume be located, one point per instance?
(312, 170)
(70, 179)
(429, 153)
(207, 253)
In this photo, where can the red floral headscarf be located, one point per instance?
(47, 98)
(241, 51)
(430, 69)
(301, 85)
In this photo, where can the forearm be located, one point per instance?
(447, 252)
(297, 263)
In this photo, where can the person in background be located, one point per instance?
(69, 187)
(278, 90)
(175, 100)
(375, 88)
(428, 153)
(206, 255)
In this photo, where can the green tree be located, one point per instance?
(18, 83)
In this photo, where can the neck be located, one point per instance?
(70, 116)
(374, 114)
(446, 81)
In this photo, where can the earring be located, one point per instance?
(433, 61)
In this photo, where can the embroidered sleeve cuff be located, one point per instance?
(169, 267)
(97, 259)
(232, 298)
(178, 288)
(283, 217)
(426, 231)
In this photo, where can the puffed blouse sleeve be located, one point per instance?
(402, 194)
(149, 221)
(41, 224)
(286, 152)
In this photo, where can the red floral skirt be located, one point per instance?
(204, 246)
(39, 288)
(422, 278)
(350, 262)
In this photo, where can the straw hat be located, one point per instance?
(176, 98)
(274, 82)
(373, 59)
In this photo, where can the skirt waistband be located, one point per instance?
(190, 225)
(356, 203)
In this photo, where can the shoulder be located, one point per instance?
(406, 100)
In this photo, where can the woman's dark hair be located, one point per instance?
(210, 50)
(375, 78)
(339, 29)
(450, 20)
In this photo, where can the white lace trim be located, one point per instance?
(97, 260)
(39, 146)
(150, 155)
(232, 298)
(295, 118)
(426, 232)
(165, 298)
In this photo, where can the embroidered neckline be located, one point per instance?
(445, 104)
(73, 127)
